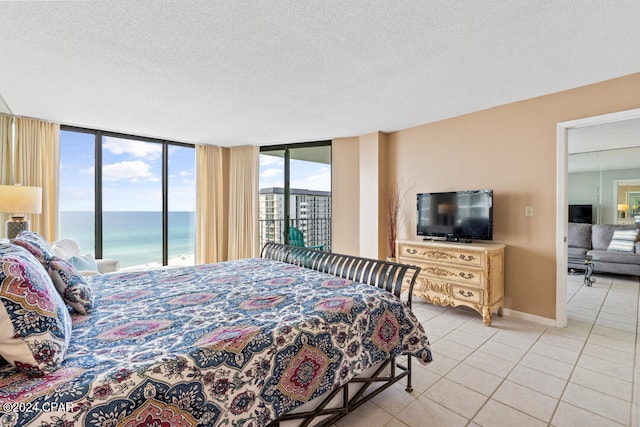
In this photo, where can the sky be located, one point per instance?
(303, 174)
(132, 174)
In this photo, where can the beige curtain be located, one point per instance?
(5, 163)
(243, 202)
(210, 212)
(37, 157)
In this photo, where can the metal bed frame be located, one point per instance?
(386, 275)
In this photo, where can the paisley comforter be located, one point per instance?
(233, 343)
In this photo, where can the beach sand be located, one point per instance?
(181, 261)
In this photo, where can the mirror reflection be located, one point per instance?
(604, 173)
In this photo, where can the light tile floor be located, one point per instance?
(519, 373)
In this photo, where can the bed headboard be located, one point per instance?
(382, 274)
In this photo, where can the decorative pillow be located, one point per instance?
(68, 281)
(35, 326)
(84, 263)
(623, 241)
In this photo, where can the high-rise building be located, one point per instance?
(309, 211)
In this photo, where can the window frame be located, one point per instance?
(287, 176)
(98, 140)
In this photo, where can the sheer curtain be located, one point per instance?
(211, 230)
(37, 157)
(243, 202)
(5, 162)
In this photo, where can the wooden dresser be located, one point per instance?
(470, 274)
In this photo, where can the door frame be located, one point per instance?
(562, 199)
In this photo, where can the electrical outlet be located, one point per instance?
(528, 211)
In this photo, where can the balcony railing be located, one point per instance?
(316, 231)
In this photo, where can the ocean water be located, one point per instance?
(134, 238)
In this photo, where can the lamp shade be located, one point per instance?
(20, 200)
(623, 207)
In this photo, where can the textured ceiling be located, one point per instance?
(265, 72)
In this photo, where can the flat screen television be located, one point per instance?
(581, 213)
(456, 215)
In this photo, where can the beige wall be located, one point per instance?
(510, 149)
(359, 184)
(345, 196)
(369, 149)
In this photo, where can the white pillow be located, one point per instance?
(84, 264)
(623, 241)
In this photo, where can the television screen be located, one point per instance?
(581, 213)
(456, 215)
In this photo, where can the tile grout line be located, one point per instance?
(488, 398)
(635, 358)
(590, 327)
(595, 320)
(470, 420)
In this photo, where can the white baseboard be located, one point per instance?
(529, 317)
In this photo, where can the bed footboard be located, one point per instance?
(386, 275)
(382, 274)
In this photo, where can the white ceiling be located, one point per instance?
(239, 72)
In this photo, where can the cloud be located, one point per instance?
(139, 149)
(266, 160)
(320, 180)
(270, 173)
(133, 171)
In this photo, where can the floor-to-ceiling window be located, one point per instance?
(77, 188)
(128, 198)
(295, 191)
(181, 203)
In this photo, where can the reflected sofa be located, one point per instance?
(593, 240)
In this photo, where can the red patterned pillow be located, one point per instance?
(35, 326)
(71, 285)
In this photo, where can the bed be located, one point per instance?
(239, 343)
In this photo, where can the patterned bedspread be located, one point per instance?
(233, 343)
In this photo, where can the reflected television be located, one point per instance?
(581, 213)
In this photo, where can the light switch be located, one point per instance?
(528, 211)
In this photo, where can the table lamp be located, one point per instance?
(18, 201)
(622, 210)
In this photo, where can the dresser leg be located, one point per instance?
(500, 311)
(486, 316)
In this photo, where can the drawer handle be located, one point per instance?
(466, 275)
(467, 294)
(412, 251)
(467, 257)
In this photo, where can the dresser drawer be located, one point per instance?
(452, 255)
(455, 273)
(449, 272)
(463, 293)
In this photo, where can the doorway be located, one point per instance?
(562, 199)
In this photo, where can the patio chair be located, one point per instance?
(296, 238)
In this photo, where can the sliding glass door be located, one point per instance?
(295, 191)
(181, 205)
